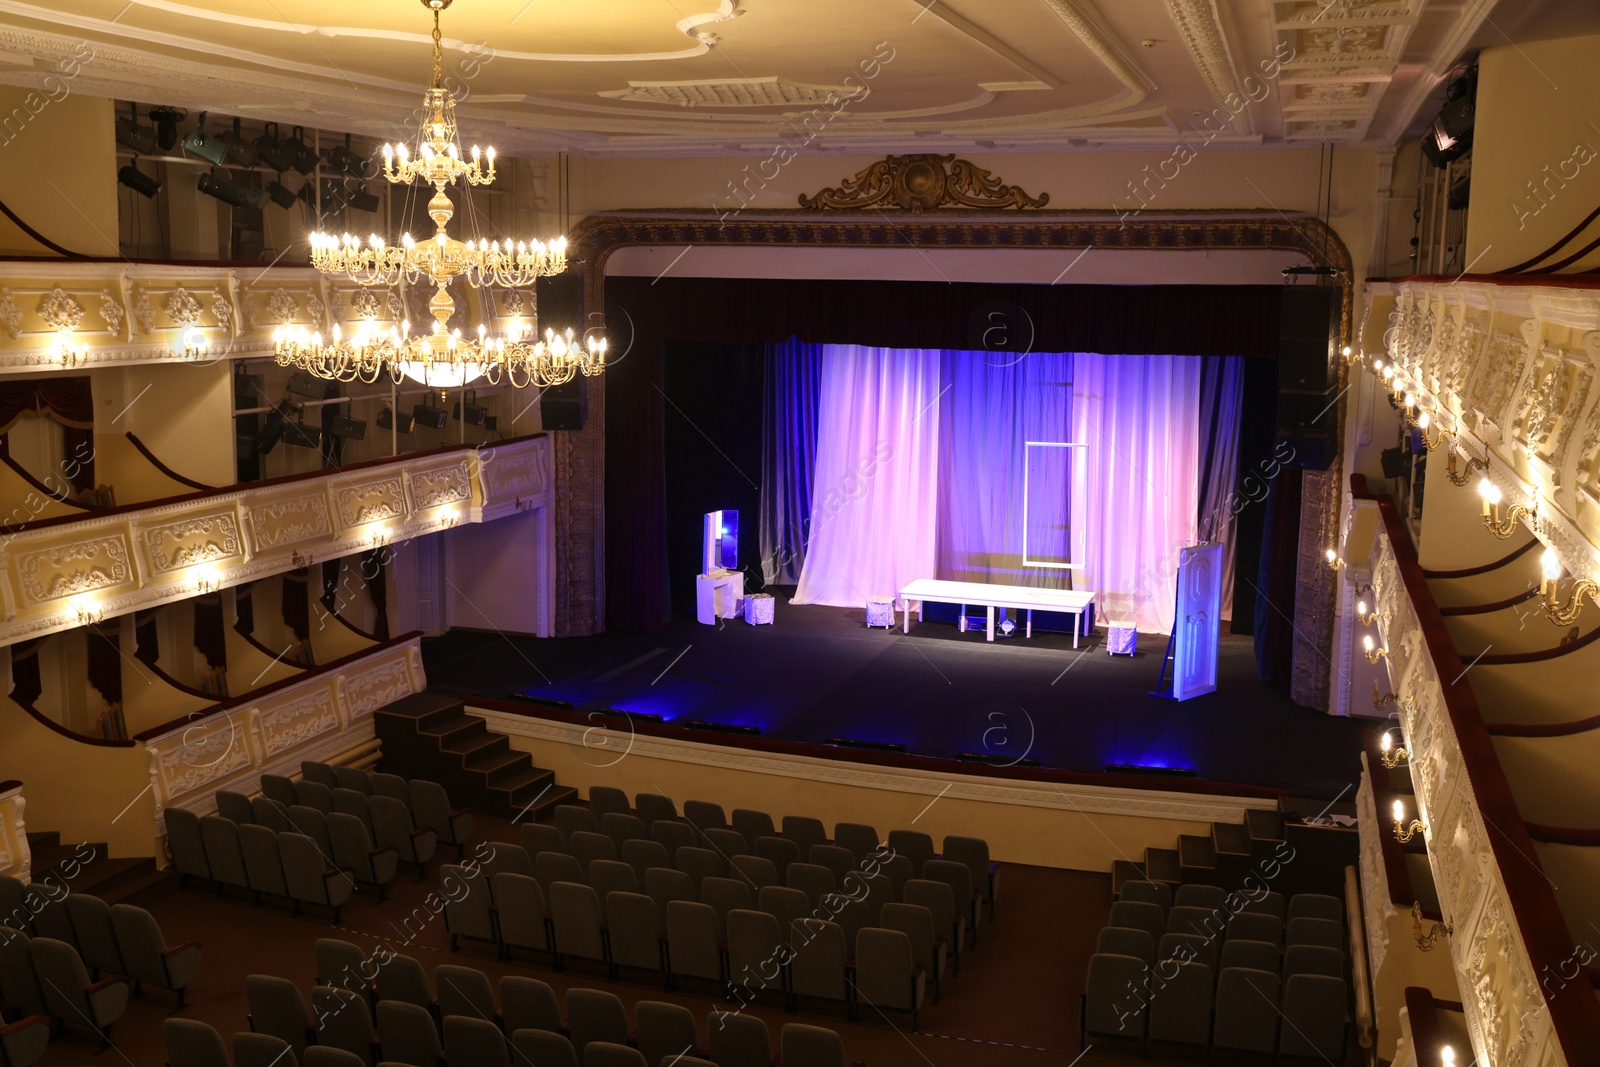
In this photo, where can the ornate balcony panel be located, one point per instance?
(58, 574)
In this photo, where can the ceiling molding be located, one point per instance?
(733, 92)
(1345, 55)
(1199, 24)
(1469, 20)
(1081, 18)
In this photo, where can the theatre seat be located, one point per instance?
(148, 957)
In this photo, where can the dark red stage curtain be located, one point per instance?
(69, 402)
(244, 610)
(104, 662)
(146, 636)
(26, 683)
(372, 569)
(297, 602)
(1196, 320)
(209, 640)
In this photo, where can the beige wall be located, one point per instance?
(58, 168)
(1536, 123)
(183, 412)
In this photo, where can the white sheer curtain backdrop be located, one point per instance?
(874, 492)
(1135, 487)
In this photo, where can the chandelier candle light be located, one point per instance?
(442, 357)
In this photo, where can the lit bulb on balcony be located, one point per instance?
(1386, 743)
(1422, 421)
(1399, 811)
(1447, 1056)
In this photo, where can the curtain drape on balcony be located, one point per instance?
(104, 662)
(25, 681)
(297, 602)
(372, 569)
(69, 402)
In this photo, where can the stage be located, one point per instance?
(819, 672)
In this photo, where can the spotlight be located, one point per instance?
(240, 151)
(386, 421)
(334, 197)
(130, 134)
(428, 415)
(304, 383)
(138, 181)
(348, 427)
(362, 200)
(210, 149)
(273, 152)
(302, 157)
(870, 746)
(230, 192)
(302, 436)
(342, 158)
(280, 195)
(166, 120)
(475, 415)
(722, 728)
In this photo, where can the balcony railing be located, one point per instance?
(60, 573)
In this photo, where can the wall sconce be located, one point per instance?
(1492, 521)
(1425, 942)
(1402, 832)
(1370, 647)
(71, 354)
(1472, 465)
(381, 539)
(524, 505)
(1362, 614)
(1563, 616)
(1411, 405)
(1393, 755)
(448, 521)
(1430, 443)
(298, 560)
(195, 345)
(1380, 701)
(207, 585)
(1333, 558)
(86, 617)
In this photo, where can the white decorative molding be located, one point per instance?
(16, 858)
(287, 724)
(1346, 52)
(187, 542)
(733, 92)
(1200, 26)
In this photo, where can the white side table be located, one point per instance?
(880, 611)
(758, 609)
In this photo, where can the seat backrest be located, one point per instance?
(343, 965)
(595, 1015)
(1138, 915)
(606, 800)
(19, 981)
(319, 772)
(1180, 1005)
(223, 856)
(704, 815)
(653, 807)
(820, 955)
(303, 870)
(753, 871)
(1158, 893)
(570, 818)
(392, 827)
(725, 895)
(841, 861)
(96, 937)
(1314, 1017)
(755, 944)
(578, 919)
(752, 824)
(812, 879)
(187, 844)
(552, 867)
(278, 1009)
(973, 853)
(1304, 930)
(643, 855)
(698, 863)
(735, 1039)
(234, 806)
(884, 964)
(403, 979)
(1175, 946)
(666, 884)
(1254, 926)
(343, 1021)
(1315, 906)
(1202, 921)
(1194, 895)
(695, 946)
(1247, 1010)
(780, 852)
(801, 1045)
(622, 827)
(784, 904)
(588, 846)
(899, 870)
(916, 922)
(674, 834)
(353, 778)
(937, 898)
(611, 1054)
(140, 941)
(634, 924)
(1256, 955)
(280, 789)
(665, 1031)
(1121, 941)
(191, 1043)
(263, 1050)
(528, 1003)
(959, 878)
(804, 831)
(513, 858)
(1267, 903)
(612, 876)
(407, 1032)
(352, 845)
(479, 1042)
(520, 904)
(914, 845)
(62, 978)
(354, 802)
(312, 823)
(311, 794)
(725, 843)
(543, 1048)
(540, 837)
(263, 861)
(328, 1056)
(463, 991)
(1312, 959)
(396, 787)
(1115, 995)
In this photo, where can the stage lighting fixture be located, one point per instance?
(334, 198)
(997, 759)
(476, 416)
(269, 437)
(301, 435)
(722, 728)
(1154, 772)
(351, 429)
(632, 716)
(230, 192)
(240, 150)
(210, 149)
(428, 416)
(304, 383)
(273, 152)
(362, 200)
(871, 746)
(341, 157)
(280, 195)
(166, 120)
(564, 705)
(138, 181)
(302, 157)
(386, 421)
(130, 134)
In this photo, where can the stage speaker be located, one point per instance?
(1307, 410)
(1308, 335)
(1396, 463)
(565, 407)
(1309, 451)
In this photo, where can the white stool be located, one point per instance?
(880, 611)
(1121, 640)
(758, 609)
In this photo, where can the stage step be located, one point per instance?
(87, 868)
(1197, 859)
(1263, 825)
(1230, 839)
(1124, 871)
(1162, 865)
(432, 735)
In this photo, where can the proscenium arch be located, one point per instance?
(580, 455)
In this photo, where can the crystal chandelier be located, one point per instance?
(440, 358)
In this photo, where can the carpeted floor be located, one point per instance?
(1015, 1003)
(818, 672)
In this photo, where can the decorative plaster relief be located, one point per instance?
(370, 501)
(77, 567)
(287, 522)
(290, 724)
(205, 539)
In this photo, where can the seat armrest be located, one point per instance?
(375, 853)
(185, 947)
(105, 983)
(918, 971)
(456, 814)
(337, 872)
(423, 830)
(24, 1023)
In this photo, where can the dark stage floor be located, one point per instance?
(818, 672)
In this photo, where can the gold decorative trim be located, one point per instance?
(922, 183)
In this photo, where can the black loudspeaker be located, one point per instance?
(1309, 451)
(1307, 410)
(565, 407)
(1395, 462)
(1308, 336)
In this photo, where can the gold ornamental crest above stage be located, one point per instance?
(921, 183)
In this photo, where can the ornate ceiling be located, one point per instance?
(682, 77)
